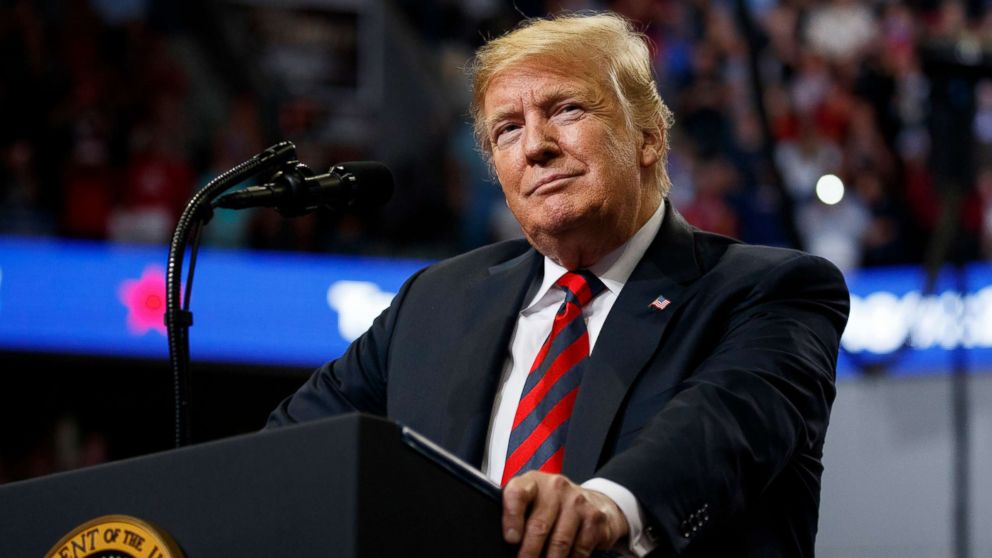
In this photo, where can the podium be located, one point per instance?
(348, 486)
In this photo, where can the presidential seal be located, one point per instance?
(116, 536)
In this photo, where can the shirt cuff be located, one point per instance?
(638, 542)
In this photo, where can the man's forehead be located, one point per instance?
(538, 81)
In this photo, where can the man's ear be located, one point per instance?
(652, 146)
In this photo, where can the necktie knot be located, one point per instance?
(580, 286)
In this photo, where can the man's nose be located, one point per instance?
(540, 143)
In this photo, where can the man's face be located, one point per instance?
(572, 171)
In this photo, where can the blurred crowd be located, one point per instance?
(115, 112)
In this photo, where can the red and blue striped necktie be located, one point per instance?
(537, 439)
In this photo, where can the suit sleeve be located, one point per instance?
(354, 382)
(761, 397)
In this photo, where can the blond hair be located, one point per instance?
(604, 42)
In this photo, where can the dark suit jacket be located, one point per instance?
(712, 411)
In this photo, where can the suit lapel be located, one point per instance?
(629, 337)
(479, 359)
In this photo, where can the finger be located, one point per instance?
(603, 524)
(517, 497)
(562, 539)
(593, 533)
(543, 514)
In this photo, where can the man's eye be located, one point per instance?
(569, 111)
(503, 131)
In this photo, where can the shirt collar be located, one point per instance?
(614, 269)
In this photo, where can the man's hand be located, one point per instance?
(543, 510)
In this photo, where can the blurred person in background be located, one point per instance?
(22, 209)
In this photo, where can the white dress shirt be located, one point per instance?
(533, 325)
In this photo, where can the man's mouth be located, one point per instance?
(552, 181)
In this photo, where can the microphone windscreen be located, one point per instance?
(373, 180)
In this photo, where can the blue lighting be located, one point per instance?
(300, 310)
(266, 308)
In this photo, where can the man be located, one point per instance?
(687, 378)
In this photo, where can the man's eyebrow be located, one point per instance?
(500, 115)
(561, 92)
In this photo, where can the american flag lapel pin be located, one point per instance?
(660, 303)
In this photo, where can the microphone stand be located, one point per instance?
(954, 65)
(195, 216)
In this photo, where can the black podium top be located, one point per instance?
(341, 487)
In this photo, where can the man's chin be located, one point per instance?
(558, 238)
(553, 231)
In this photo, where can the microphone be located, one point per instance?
(296, 191)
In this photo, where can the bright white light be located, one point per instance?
(881, 320)
(829, 189)
(357, 304)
